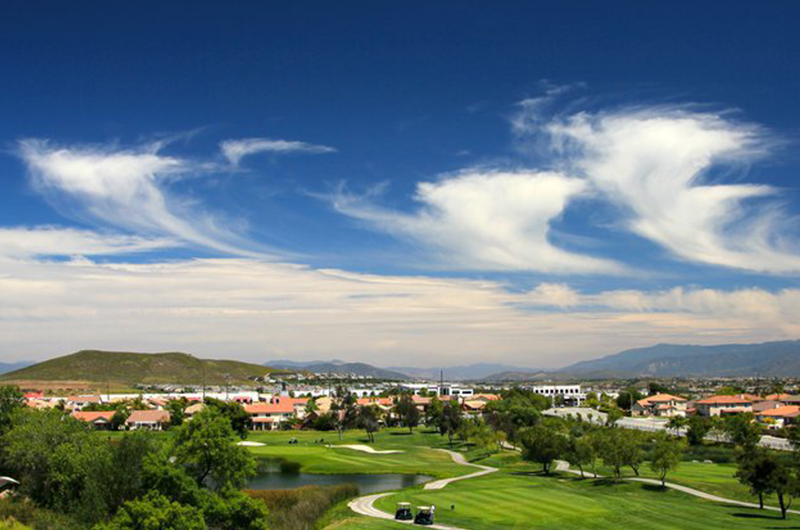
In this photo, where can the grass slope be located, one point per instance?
(126, 368)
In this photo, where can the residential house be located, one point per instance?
(665, 405)
(78, 402)
(191, 410)
(100, 420)
(719, 405)
(152, 420)
(779, 417)
(269, 416)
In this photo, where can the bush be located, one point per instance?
(24, 512)
(299, 509)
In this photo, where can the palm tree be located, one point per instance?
(676, 423)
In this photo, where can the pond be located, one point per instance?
(276, 480)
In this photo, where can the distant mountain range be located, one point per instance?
(768, 359)
(10, 367)
(339, 367)
(472, 372)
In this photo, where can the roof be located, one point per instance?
(383, 402)
(778, 397)
(148, 416)
(84, 399)
(92, 417)
(194, 409)
(294, 401)
(270, 408)
(765, 405)
(659, 398)
(475, 405)
(786, 411)
(485, 397)
(419, 400)
(723, 400)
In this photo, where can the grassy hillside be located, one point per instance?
(125, 368)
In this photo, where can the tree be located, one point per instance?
(581, 451)
(206, 448)
(676, 423)
(612, 416)
(311, 407)
(656, 388)
(451, 421)
(742, 430)
(155, 512)
(407, 411)
(11, 402)
(755, 470)
(58, 461)
(369, 420)
(234, 412)
(542, 445)
(486, 438)
(344, 409)
(177, 411)
(665, 456)
(627, 397)
(433, 414)
(698, 429)
(618, 449)
(120, 417)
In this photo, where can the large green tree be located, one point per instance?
(542, 445)
(207, 449)
(407, 412)
(666, 455)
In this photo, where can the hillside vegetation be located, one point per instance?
(126, 368)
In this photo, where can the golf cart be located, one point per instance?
(403, 512)
(424, 515)
(7, 486)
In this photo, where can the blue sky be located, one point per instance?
(444, 182)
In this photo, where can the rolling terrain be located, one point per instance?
(127, 368)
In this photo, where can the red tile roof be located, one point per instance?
(92, 417)
(148, 416)
(787, 411)
(270, 408)
(723, 400)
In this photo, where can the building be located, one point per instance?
(151, 420)
(571, 395)
(779, 417)
(718, 405)
(665, 405)
(78, 402)
(269, 416)
(100, 420)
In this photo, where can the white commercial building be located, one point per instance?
(572, 395)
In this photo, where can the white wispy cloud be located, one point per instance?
(235, 150)
(657, 164)
(486, 220)
(22, 242)
(129, 189)
(257, 310)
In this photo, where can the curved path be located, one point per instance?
(564, 466)
(366, 505)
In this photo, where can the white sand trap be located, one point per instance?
(367, 449)
(250, 444)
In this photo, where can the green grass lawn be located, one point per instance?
(416, 458)
(522, 501)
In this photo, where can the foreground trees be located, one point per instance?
(139, 483)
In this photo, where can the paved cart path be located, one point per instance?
(366, 505)
(564, 467)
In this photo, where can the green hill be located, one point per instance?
(127, 369)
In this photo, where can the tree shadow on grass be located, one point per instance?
(400, 433)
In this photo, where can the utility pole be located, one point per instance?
(204, 380)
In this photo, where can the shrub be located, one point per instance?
(299, 509)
